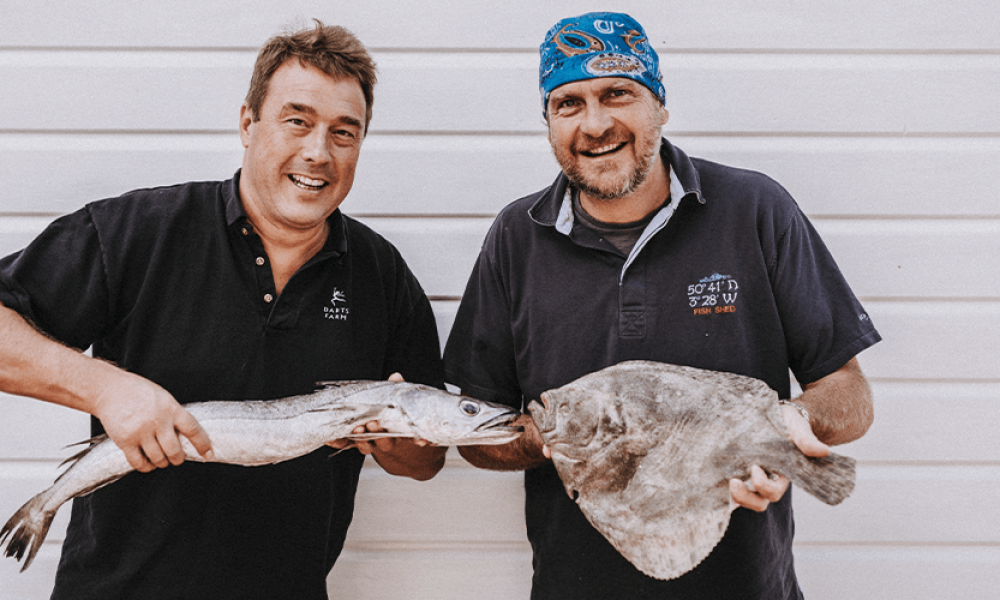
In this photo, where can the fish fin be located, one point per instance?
(349, 447)
(27, 529)
(361, 383)
(97, 439)
(829, 478)
(365, 437)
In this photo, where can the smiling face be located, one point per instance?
(605, 134)
(302, 149)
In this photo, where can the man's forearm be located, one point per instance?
(34, 365)
(840, 405)
(523, 453)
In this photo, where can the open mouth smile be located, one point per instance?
(603, 150)
(306, 183)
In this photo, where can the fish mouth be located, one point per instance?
(539, 411)
(501, 424)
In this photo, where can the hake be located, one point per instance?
(260, 432)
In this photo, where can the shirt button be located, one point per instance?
(268, 298)
(260, 261)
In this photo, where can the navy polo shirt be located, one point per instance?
(172, 283)
(729, 276)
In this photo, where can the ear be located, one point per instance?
(246, 121)
(664, 115)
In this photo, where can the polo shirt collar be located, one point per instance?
(555, 209)
(236, 216)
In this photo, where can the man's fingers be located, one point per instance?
(189, 427)
(170, 444)
(745, 498)
(771, 488)
(137, 460)
(154, 453)
(760, 491)
(396, 377)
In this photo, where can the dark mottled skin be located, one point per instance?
(647, 449)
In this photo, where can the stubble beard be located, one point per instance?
(599, 186)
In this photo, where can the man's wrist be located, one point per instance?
(802, 410)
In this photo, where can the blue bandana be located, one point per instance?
(599, 44)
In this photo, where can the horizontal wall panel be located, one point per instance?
(935, 340)
(36, 582)
(920, 504)
(478, 175)
(432, 574)
(931, 422)
(717, 93)
(916, 258)
(43, 430)
(521, 24)
(902, 572)
(461, 504)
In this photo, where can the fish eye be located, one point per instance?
(469, 407)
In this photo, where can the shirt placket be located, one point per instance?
(266, 293)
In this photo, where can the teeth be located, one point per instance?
(307, 182)
(602, 150)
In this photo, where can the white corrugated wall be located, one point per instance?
(880, 117)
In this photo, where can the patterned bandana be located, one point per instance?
(599, 44)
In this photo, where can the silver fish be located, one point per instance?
(261, 432)
(647, 450)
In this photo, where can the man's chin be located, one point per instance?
(603, 188)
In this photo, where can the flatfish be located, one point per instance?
(647, 450)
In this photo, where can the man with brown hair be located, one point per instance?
(254, 287)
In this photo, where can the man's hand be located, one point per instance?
(762, 490)
(146, 422)
(414, 458)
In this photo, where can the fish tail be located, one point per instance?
(829, 478)
(27, 529)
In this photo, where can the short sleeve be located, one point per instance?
(825, 324)
(58, 281)
(415, 349)
(479, 355)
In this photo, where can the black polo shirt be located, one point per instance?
(172, 283)
(729, 276)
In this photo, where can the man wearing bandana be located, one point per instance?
(637, 251)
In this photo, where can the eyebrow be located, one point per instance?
(309, 110)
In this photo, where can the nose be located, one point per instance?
(315, 148)
(597, 120)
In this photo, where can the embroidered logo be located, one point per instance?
(715, 294)
(335, 311)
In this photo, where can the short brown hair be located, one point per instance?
(331, 49)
